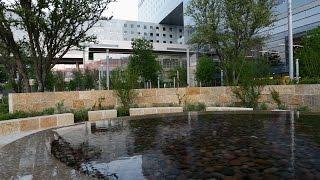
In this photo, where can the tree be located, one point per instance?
(254, 77)
(49, 28)
(231, 27)
(123, 83)
(143, 61)
(182, 80)
(309, 55)
(206, 70)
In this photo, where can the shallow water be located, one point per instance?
(209, 145)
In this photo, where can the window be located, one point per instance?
(164, 41)
(171, 36)
(170, 42)
(158, 41)
(145, 27)
(157, 27)
(132, 32)
(138, 25)
(151, 41)
(125, 25)
(125, 39)
(180, 36)
(164, 35)
(139, 33)
(180, 30)
(171, 29)
(132, 39)
(158, 34)
(125, 32)
(151, 27)
(132, 26)
(164, 29)
(151, 34)
(145, 33)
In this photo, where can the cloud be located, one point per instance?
(123, 9)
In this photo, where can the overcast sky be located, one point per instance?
(124, 9)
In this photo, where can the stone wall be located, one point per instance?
(293, 96)
(35, 123)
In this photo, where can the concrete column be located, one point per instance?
(77, 66)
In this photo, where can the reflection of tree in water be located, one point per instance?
(144, 133)
(309, 126)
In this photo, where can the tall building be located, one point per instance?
(306, 16)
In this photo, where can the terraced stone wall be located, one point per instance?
(293, 96)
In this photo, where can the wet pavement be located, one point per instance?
(247, 145)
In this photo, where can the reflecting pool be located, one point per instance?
(257, 145)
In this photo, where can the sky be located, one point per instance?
(123, 9)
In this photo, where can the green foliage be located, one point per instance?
(3, 74)
(309, 55)
(283, 107)
(308, 80)
(53, 27)
(182, 80)
(86, 80)
(252, 79)
(264, 106)
(195, 107)
(124, 82)
(206, 70)
(276, 98)
(4, 105)
(303, 109)
(80, 115)
(122, 111)
(248, 95)
(20, 114)
(231, 27)
(143, 61)
(60, 108)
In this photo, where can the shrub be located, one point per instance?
(21, 114)
(4, 106)
(124, 83)
(264, 106)
(122, 111)
(80, 115)
(248, 95)
(304, 109)
(283, 107)
(195, 107)
(60, 108)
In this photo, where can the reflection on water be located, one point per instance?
(209, 145)
(200, 146)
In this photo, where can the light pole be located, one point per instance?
(290, 39)
(108, 76)
(188, 67)
(297, 71)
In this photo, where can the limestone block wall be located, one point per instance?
(292, 95)
(35, 123)
(101, 115)
(155, 110)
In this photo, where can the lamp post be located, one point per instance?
(188, 67)
(108, 76)
(290, 39)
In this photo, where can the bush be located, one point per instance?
(195, 107)
(282, 107)
(21, 114)
(303, 109)
(264, 106)
(80, 115)
(248, 95)
(122, 111)
(4, 106)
